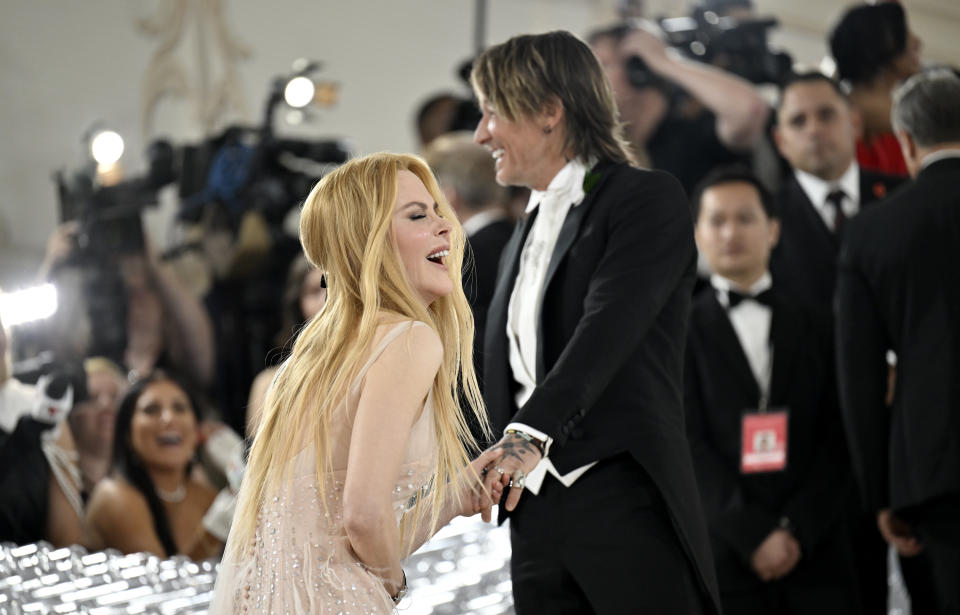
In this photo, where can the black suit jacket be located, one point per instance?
(804, 261)
(480, 276)
(899, 289)
(742, 509)
(611, 336)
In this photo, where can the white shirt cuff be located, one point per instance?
(536, 433)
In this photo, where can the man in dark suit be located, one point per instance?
(467, 177)
(899, 290)
(584, 348)
(816, 133)
(755, 359)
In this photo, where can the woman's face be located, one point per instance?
(312, 294)
(909, 63)
(527, 151)
(163, 430)
(423, 238)
(93, 420)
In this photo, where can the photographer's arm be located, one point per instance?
(191, 333)
(741, 111)
(60, 246)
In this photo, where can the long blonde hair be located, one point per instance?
(345, 229)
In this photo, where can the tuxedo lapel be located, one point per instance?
(569, 232)
(719, 331)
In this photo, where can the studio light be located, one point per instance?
(106, 147)
(299, 92)
(23, 306)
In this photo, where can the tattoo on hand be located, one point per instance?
(518, 448)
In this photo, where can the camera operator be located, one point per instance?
(165, 324)
(719, 121)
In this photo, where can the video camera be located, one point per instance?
(108, 216)
(737, 46)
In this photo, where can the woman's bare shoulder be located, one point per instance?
(113, 497)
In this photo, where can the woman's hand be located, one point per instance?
(474, 498)
(520, 457)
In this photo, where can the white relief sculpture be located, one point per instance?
(211, 83)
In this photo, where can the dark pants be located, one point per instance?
(604, 545)
(799, 593)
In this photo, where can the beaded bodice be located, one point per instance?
(300, 560)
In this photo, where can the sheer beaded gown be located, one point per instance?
(300, 560)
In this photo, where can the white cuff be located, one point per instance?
(225, 449)
(536, 433)
(219, 516)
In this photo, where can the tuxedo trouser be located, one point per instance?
(604, 545)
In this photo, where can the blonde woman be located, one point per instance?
(361, 453)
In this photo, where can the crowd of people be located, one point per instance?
(690, 386)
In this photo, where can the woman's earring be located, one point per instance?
(547, 130)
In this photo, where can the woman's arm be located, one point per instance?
(392, 398)
(471, 499)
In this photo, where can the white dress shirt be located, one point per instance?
(523, 314)
(939, 155)
(751, 322)
(817, 190)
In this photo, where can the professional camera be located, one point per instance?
(108, 216)
(110, 228)
(737, 46)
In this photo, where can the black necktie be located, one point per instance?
(764, 297)
(835, 198)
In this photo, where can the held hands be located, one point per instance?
(519, 458)
(474, 496)
(776, 556)
(898, 533)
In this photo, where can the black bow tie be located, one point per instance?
(734, 298)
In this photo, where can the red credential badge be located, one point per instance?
(764, 441)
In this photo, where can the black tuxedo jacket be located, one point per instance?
(480, 276)
(610, 340)
(899, 289)
(804, 261)
(742, 509)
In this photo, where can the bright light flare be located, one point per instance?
(299, 92)
(23, 306)
(106, 147)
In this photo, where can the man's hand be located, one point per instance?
(60, 245)
(520, 457)
(776, 556)
(644, 42)
(898, 533)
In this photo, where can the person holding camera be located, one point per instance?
(165, 325)
(718, 122)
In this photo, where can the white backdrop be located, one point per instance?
(65, 64)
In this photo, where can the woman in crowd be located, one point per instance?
(151, 503)
(360, 455)
(304, 295)
(875, 51)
